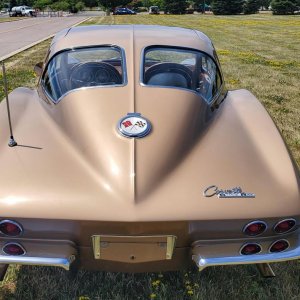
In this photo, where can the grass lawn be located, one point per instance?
(9, 19)
(258, 52)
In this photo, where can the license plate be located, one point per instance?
(133, 249)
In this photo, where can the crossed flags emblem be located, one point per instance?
(137, 123)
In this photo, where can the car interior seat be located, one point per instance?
(169, 74)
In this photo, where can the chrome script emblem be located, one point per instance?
(233, 193)
(134, 126)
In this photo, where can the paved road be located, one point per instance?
(17, 35)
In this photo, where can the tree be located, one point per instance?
(227, 7)
(201, 5)
(80, 6)
(159, 3)
(198, 3)
(42, 4)
(90, 3)
(265, 4)
(284, 7)
(60, 6)
(251, 6)
(135, 4)
(12, 3)
(175, 6)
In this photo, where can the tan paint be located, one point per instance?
(115, 178)
(74, 170)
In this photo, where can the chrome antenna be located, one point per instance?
(12, 141)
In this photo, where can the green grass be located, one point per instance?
(257, 52)
(19, 68)
(8, 19)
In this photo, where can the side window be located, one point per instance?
(84, 67)
(182, 68)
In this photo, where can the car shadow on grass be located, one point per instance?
(230, 282)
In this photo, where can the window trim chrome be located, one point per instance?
(141, 75)
(124, 71)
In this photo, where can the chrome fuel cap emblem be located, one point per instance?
(134, 126)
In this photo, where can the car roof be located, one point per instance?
(132, 38)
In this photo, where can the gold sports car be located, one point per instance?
(131, 155)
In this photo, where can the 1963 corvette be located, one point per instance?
(132, 156)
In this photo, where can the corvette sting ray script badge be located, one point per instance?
(134, 126)
(232, 193)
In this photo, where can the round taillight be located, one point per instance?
(251, 248)
(10, 228)
(13, 249)
(285, 226)
(279, 246)
(255, 228)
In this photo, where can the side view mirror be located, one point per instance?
(38, 68)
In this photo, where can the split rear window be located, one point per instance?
(182, 68)
(81, 68)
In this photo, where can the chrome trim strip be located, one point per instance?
(289, 245)
(171, 240)
(80, 89)
(288, 219)
(253, 222)
(39, 261)
(141, 75)
(15, 223)
(96, 246)
(124, 71)
(203, 262)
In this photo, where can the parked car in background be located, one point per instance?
(135, 157)
(124, 11)
(22, 11)
(154, 10)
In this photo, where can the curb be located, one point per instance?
(35, 43)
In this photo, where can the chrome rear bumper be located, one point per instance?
(202, 262)
(64, 263)
(52, 253)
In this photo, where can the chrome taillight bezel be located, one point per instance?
(281, 240)
(247, 244)
(13, 243)
(253, 222)
(14, 223)
(285, 220)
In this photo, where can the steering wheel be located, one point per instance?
(169, 68)
(94, 74)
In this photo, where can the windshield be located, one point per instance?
(84, 67)
(182, 68)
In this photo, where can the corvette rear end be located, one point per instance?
(132, 156)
